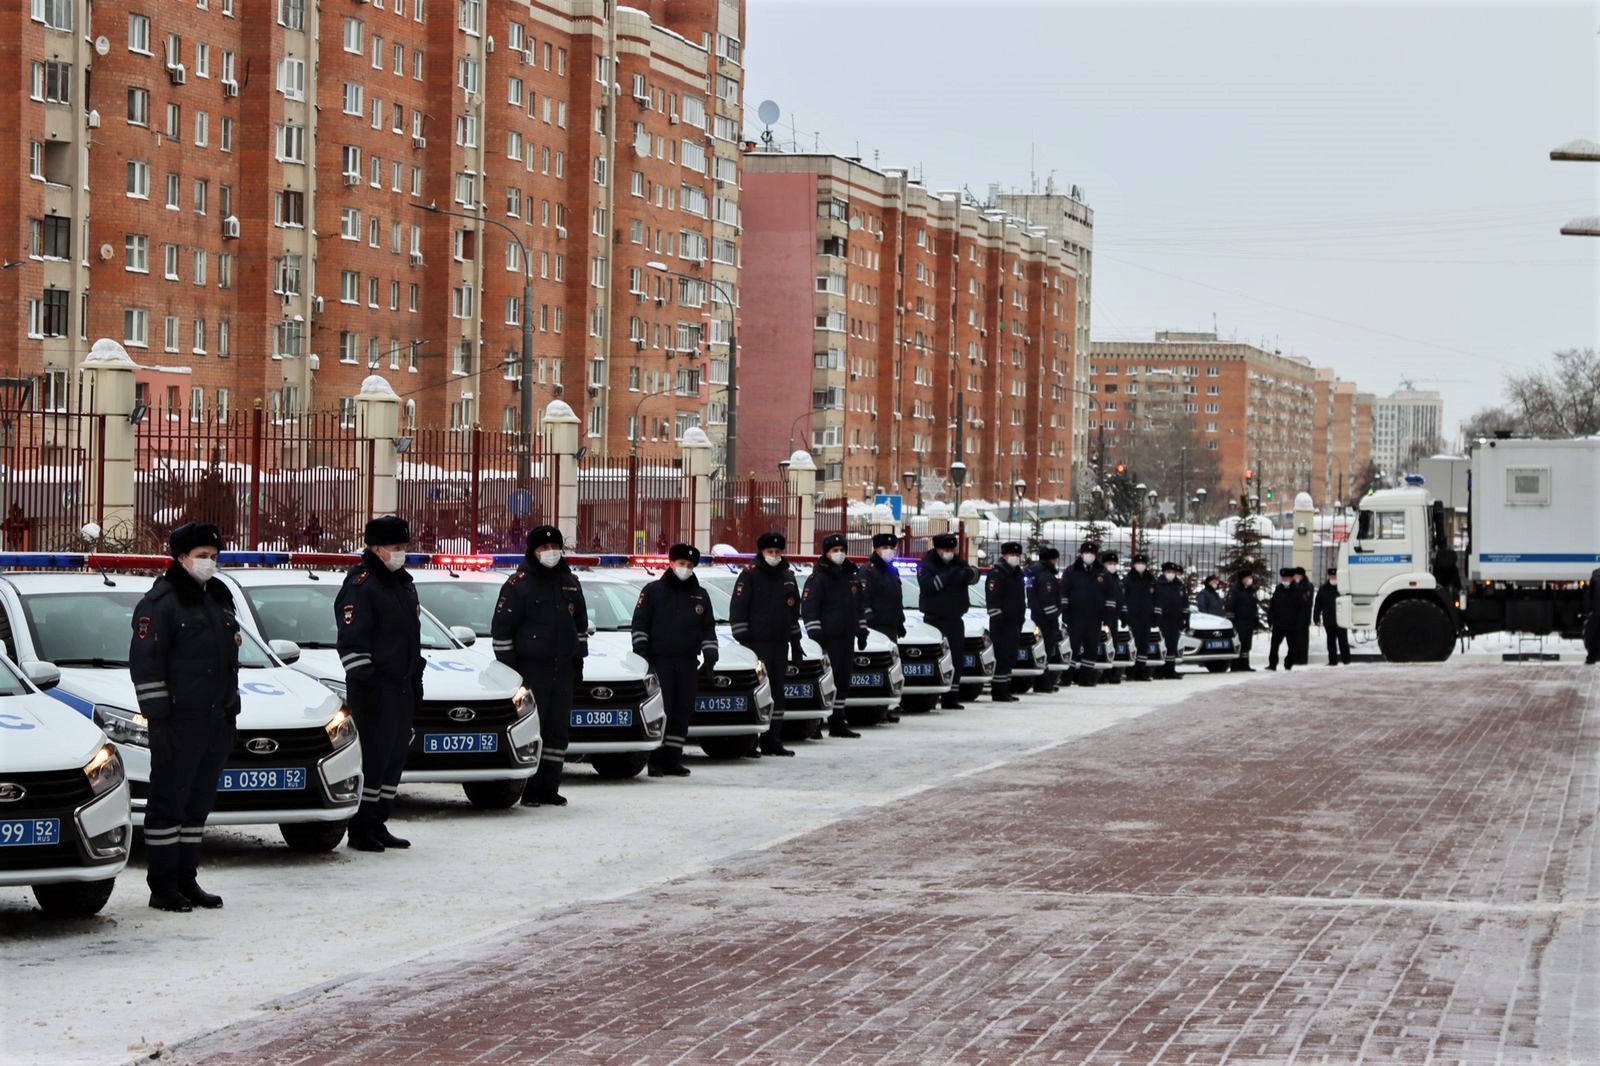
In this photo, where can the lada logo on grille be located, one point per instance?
(792, 670)
(863, 660)
(462, 714)
(261, 745)
(913, 653)
(723, 681)
(600, 692)
(10, 792)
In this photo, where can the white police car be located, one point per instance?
(1209, 639)
(65, 828)
(736, 706)
(974, 661)
(1031, 660)
(466, 731)
(876, 679)
(295, 761)
(617, 716)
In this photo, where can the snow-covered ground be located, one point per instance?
(127, 983)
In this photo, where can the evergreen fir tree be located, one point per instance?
(1245, 551)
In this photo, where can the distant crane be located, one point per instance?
(1409, 384)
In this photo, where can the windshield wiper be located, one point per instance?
(96, 662)
(314, 644)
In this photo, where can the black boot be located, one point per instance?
(388, 839)
(363, 836)
(951, 701)
(1000, 692)
(1086, 676)
(1172, 670)
(771, 748)
(200, 897)
(840, 728)
(668, 762)
(170, 899)
(1113, 677)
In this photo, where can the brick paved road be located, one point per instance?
(1257, 875)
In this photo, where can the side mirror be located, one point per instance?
(465, 634)
(45, 676)
(287, 650)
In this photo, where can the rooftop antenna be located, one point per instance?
(769, 113)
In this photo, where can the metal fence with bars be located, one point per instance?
(464, 491)
(52, 464)
(635, 504)
(743, 510)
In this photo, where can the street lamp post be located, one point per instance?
(730, 466)
(525, 385)
(1018, 487)
(958, 474)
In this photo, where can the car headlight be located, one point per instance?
(123, 726)
(1036, 634)
(944, 645)
(104, 770)
(988, 642)
(338, 688)
(651, 685)
(761, 669)
(341, 728)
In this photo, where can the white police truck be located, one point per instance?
(65, 827)
(295, 761)
(466, 731)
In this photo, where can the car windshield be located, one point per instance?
(719, 586)
(910, 592)
(10, 683)
(610, 604)
(305, 615)
(461, 603)
(95, 629)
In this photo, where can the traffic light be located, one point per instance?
(1249, 475)
(1121, 469)
(1269, 494)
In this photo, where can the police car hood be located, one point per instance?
(611, 658)
(448, 674)
(1200, 620)
(920, 632)
(43, 734)
(269, 698)
(725, 641)
(975, 622)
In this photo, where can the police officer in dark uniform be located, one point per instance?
(1208, 600)
(1044, 604)
(1300, 620)
(884, 595)
(675, 631)
(184, 662)
(380, 644)
(1006, 596)
(1139, 592)
(1244, 610)
(1280, 608)
(765, 617)
(1325, 613)
(1172, 612)
(1119, 613)
(835, 616)
(1591, 627)
(942, 581)
(541, 630)
(1089, 605)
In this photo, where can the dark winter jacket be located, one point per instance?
(1279, 607)
(1243, 607)
(184, 655)
(833, 607)
(379, 624)
(1172, 601)
(766, 605)
(1006, 595)
(1044, 596)
(1208, 601)
(1325, 611)
(1593, 597)
(943, 586)
(1139, 592)
(881, 584)
(540, 618)
(1086, 593)
(673, 620)
(1300, 603)
(1119, 595)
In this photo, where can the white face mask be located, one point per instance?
(201, 569)
(1013, 560)
(947, 556)
(836, 558)
(395, 559)
(549, 558)
(1138, 568)
(683, 573)
(1088, 558)
(886, 554)
(772, 560)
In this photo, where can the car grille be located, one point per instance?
(921, 653)
(739, 681)
(623, 693)
(486, 715)
(47, 790)
(296, 745)
(805, 670)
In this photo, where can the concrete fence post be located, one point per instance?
(802, 476)
(1305, 518)
(109, 388)
(696, 448)
(377, 429)
(883, 520)
(561, 427)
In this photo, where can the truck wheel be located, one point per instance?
(1415, 631)
(728, 747)
(493, 795)
(312, 837)
(970, 693)
(74, 899)
(620, 766)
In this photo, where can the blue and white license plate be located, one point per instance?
(1216, 645)
(917, 669)
(970, 662)
(286, 779)
(608, 716)
(1122, 651)
(799, 691)
(722, 704)
(866, 680)
(1024, 655)
(18, 832)
(460, 743)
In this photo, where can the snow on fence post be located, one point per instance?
(561, 427)
(377, 427)
(108, 489)
(803, 487)
(1305, 548)
(883, 520)
(696, 448)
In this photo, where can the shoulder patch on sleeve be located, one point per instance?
(142, 627)
(361, 578)
(348, 614)
(515, 579)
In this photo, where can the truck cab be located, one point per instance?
(1387, 577)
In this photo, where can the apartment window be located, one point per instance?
(416, 65)
(351, 156)
(354, 36)
(292, 14)
(202, 190)
(172, 192)
(136, 253)
(224, 271)
(349, 286)
(514, 92)
(52, 82)
(139, 34)
(469, 16)
(291, 143)
(394, 296)
(174, 122)
(56, 14)
(225, 141)
(349, 224)
(224, 336)
(290, 208)
(372, 292)
(372, 353)
(288, 275)
(202, 60)
(202, 129)
(169, 333)
(135, 327)
(352, 99)
(377, 52)
(197, 402)
(199, 267)
(292, 78)
(50, 238)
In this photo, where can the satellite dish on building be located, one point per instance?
(768, 113)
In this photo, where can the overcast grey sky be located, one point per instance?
(1367, 185)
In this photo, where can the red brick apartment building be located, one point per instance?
(234, 190)
(899, 308)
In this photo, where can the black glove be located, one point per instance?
(861, 640)
(902, 632)
(796, 652)
(577, 669)
(708, 659)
